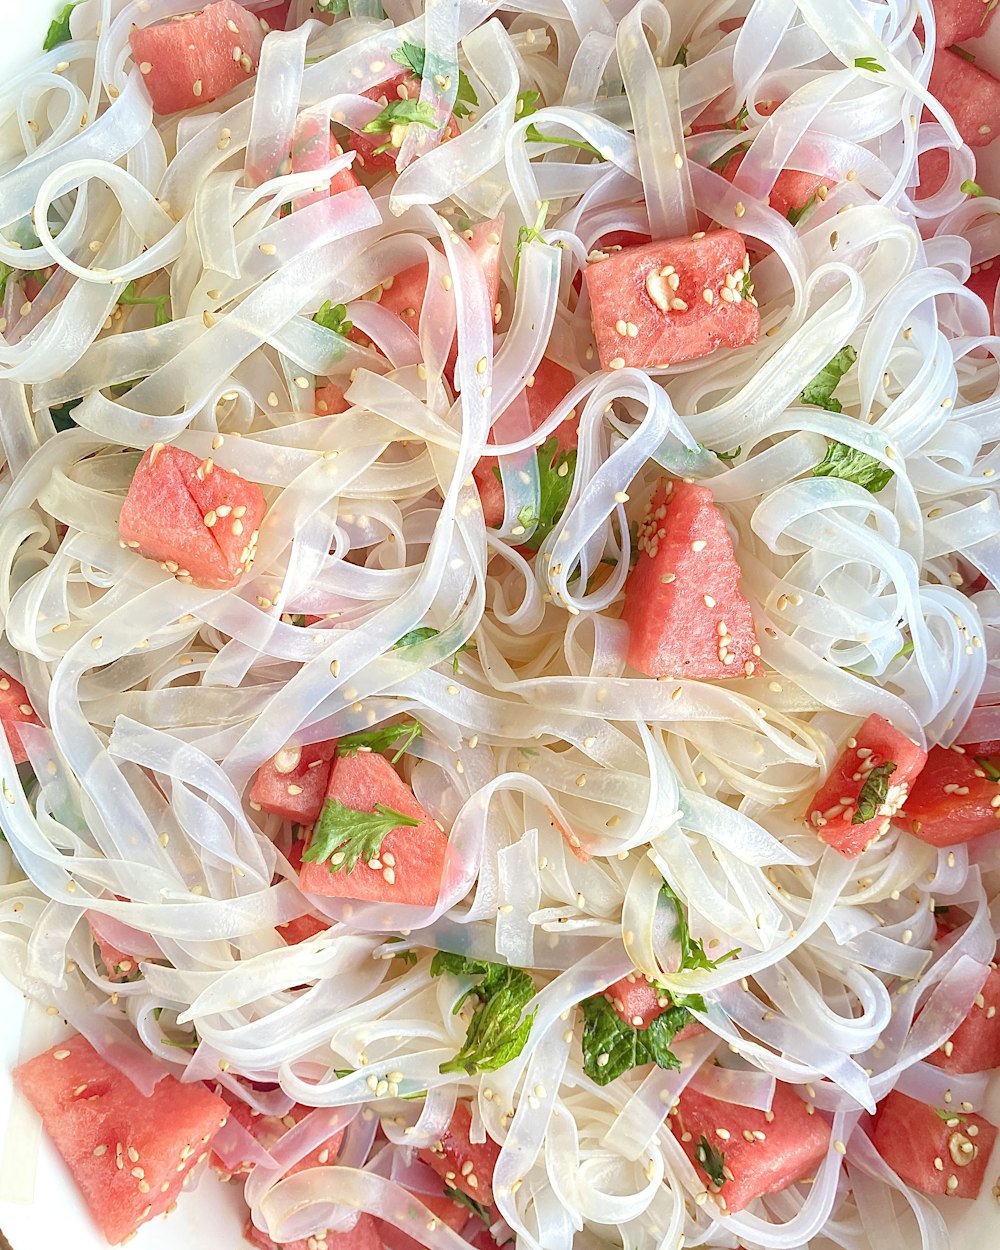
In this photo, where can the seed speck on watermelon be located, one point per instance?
(463, 1164)
(129, 1153)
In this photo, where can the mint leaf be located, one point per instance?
(819, 392)
(333, 317)
(612, 1047)
(343, 835)
(692, 949)
(496, 1032)
(873, 793)
(526, 103)
(870, 64)
(60, 414)
(529, 234)
(712, 1161)
(854, 466)
(381, 739)
(969, 187)
(59, 31)
(413, 56)
(533, 135)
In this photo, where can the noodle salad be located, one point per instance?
(500, 652)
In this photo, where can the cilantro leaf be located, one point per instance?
(612, 1047)
(333, 317)
(526, 103)
(991, 770)
(530, 234)
(854, 466)
(533, 135)
(399, 113)
(819, 392)
(555, 482)
(726, 455)
(381, 739)
(60, 414)
(161, 303)
(343, 835)
(969, 187)
(869, 63)
(795, 215)
(712, 1161)
(496, 1032)
(873, 793)
(463, 1199)
(424, 632)
(414, 57)
(682, 55)
(692, 949)
(59, 31)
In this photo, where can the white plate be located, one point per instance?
(50, 1211)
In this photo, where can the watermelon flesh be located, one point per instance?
(268, 1130)
(119, 964)
(832, 811)
(449, 1156)
(786, 1143)
(958, 20)
(550, 386)
(952, 800)
(683, 606)
(793, 190)
(313, 147)
(975, 1044)
(983, 280)
(302, 927)
(15, 709)
(198, 58)
(363, 1236)
(292, 784)
(129, 1153)
(639, 1003)
(672, 300)
(404, 86)
(970, 94)
(330, 399)
(411, 858)
(935, 1154)
(199, 521)
(444, 1209)
(275, 16)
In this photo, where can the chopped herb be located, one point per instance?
(408, 957)
(189, 1045)
(722, 161)
(343, 835)
(873, 793)
(795, 215)
(682, 55)
(991, 771)
(555, 482)
(530, 234)
(739, 122)
(296, 618)
(870, 64)
(526, 103)
(422, 634)
(969, 187)
(496, 1032)
(60, 414)
(961, 52)
(333, 317)
(946, 1113)
(692, 949)
(6, 271)
(942, 911)
(382, 739)
(463, 1199)
(712, 1161)
(819, 392)
(26, 776)
(904, 650)
(726, 455)
(413, 56)
(59, 31)
(611, 1046)
(161, 303)
(746, 285)
(854, 466)
(533, 135)
(400, 113)
(340, 1073)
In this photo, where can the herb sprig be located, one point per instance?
(402, 736)
(873, 793)
(414, 57)
(612, 1047)
(59, 31)
(343, 835)
(496, 1033)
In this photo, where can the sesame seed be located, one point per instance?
(678, 161)
(144, 67)
(196, 87)
(708, 296)
(617, 363)
(740, 208)
(268, 249)
(699, 544)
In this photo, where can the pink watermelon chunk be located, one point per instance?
(833, 810)
(683, 606)
(306, 926)
(983, 280)
(292, 785)
(269, 1130)
(194, 59)
(975, 1044)
(275, 16)
(15, 709)
(639, 1003)
(786, 1143)
(128, 1153)
(793, 190)
(952, 800)
(970, 94)
(410, 859)
(330, 399)
(119, 964)
(931, 1150)
(958, 20)
(684, 297)
(198, 520)
(454, 1151)
(405, 86)
(550, 386)
(363, 1236)
(314, 147)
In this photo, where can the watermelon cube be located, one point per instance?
(448, 1212)
(128, 1152)
(683, 606)
(410, 859)
(762, 1151)
(639, 1003)
(975, 1044)
(15, 709)
(958, 20)
(293, 783)
(198, 520)
(268, 1130)
(363, 1236)
(983, 280)
(313, 147)
(793, 190)
(952, 800)
(119, 964)
(970, 94)
(330, 399)
(932, 171)
(194, 59)
(450, 1156)
(405, 86)
(550, 386)
(862, 781)
(932, 1150)
(672, 300)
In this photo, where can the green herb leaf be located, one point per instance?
(873, 793)
(727, 455)
(612, 1047)
(332, 6)
(739, 122)
(333, 317)
(712, 1161)
(463, 1199)
(193, 1044)
(854, 466)
(819, 392)
(496, 1032)
(533, 135)
(161, 303)
(343, 835)
(555, 482)
(6, 272)
(424, 632)
(526, 103)
(795, 215)
(722, 161)
(59, 31)
(746, 285)
(991, 770)
(961, 52)
(60, 414)
(413, 56)
(529, 234)
(945, 909)
(401, 113)
(682, 55)
(946, 1114)
(692, 949)
(408, 957)
(969, 187)
(870, 64)
(381, 739)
